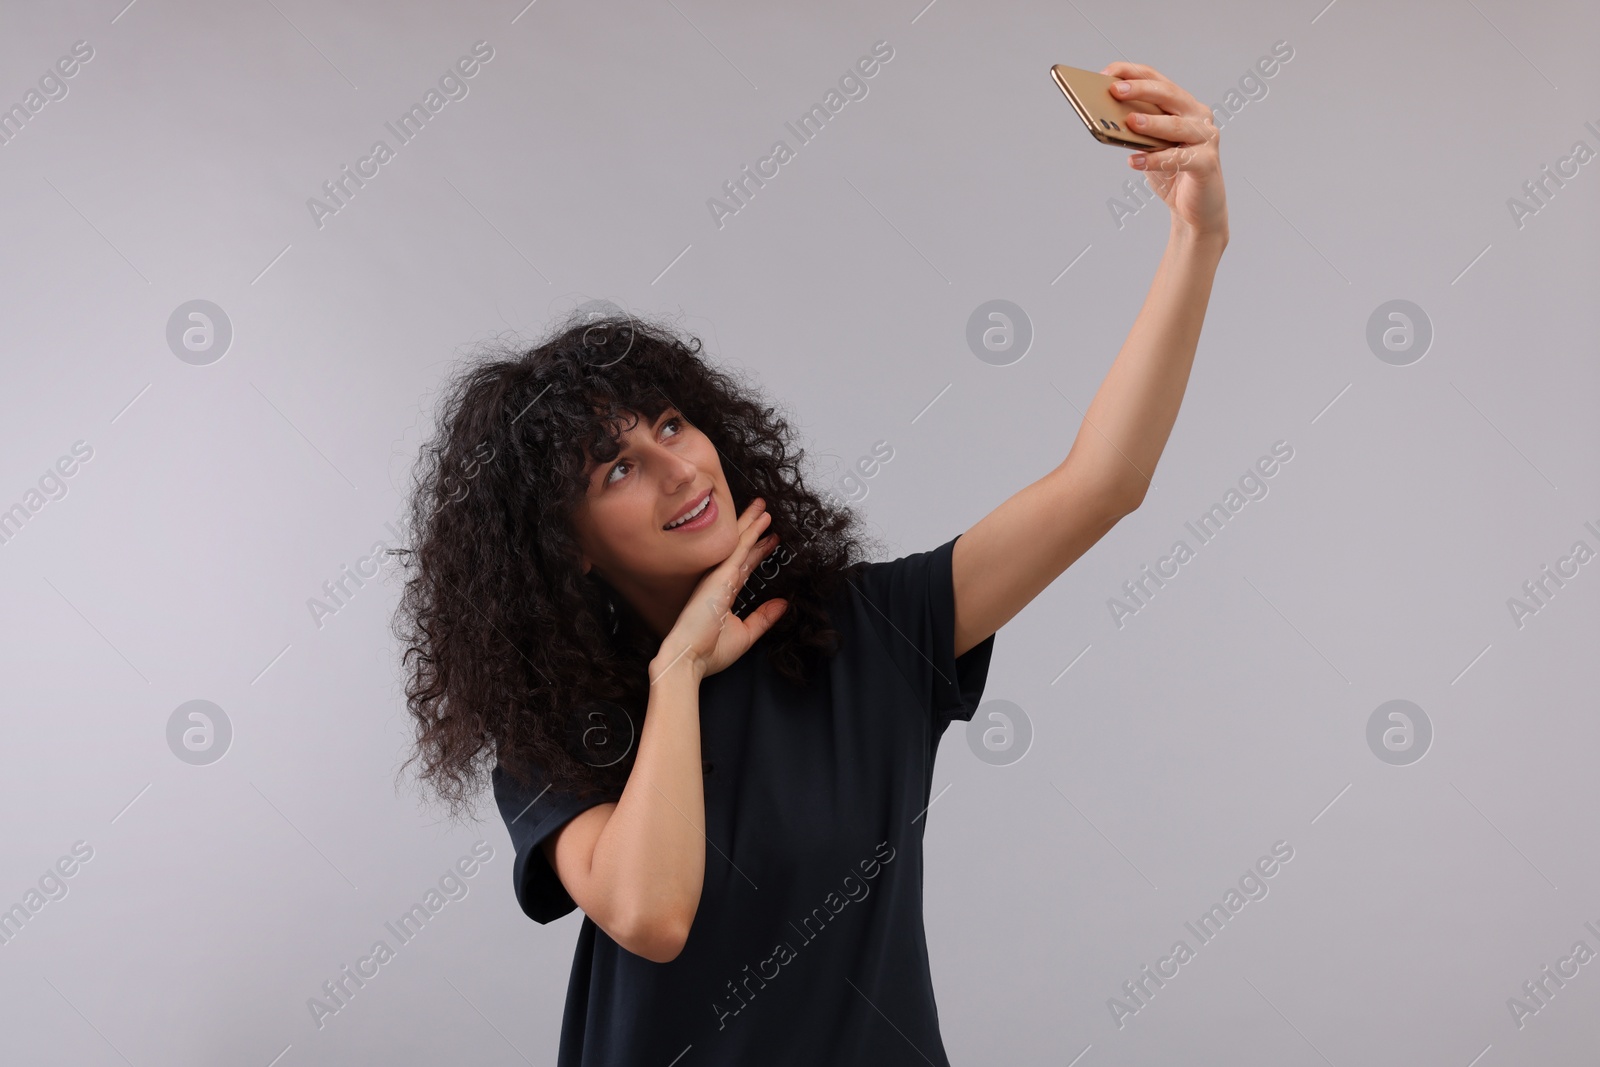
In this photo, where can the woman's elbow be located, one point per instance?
(658, 939)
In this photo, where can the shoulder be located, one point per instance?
(906, 582)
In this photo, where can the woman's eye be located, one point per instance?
(610, 475)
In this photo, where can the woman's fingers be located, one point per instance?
(1164, 94)
(1184, 121)
(758, 548)
(1181, 157)
(752, 511)
(729, 575)
(749, 537)
(1177, 128)
(1123, 69)
(753, 555)
(1147, 83)
(762, 619)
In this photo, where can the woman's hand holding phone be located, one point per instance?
(1187, 177)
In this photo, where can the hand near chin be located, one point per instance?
(708, 636)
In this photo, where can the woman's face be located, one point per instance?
(664, 470)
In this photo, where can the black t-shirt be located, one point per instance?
(808, 946)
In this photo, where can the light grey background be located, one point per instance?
(1227, 715)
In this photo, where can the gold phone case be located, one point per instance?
(1106, 117)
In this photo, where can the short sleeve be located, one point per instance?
(532, 814)
(911, 603)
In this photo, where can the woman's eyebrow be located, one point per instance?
(591, 465)
(642, 421)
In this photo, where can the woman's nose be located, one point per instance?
(678, 470)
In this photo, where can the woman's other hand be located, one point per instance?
(708, 636)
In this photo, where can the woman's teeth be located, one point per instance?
(695, 514)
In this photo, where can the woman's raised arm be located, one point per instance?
(1010, 555)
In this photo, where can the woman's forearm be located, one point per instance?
(652, 851)
(1128, 423)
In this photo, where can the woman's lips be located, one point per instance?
(701, 521)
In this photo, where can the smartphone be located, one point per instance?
(1089, 92)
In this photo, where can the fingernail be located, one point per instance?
(1138, 159)
(1122, 87)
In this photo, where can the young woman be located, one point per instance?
(605, 527)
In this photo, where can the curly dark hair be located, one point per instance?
(513, 656)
